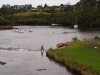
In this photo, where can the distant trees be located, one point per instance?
(7, 10)
(86, 11)
(45, 6)
(26, 6)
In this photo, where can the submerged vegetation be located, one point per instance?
(79, 56)
(2, 63)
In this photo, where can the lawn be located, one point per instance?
(84, 53)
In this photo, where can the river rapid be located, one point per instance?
(25, 58)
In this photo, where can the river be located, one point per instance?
(26, 59)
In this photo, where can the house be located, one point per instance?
(33, 10)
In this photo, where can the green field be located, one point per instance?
(81, 54)
(29, 13)
(35, 13)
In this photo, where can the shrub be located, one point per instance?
(96, 37)
(75, 38)
(50, 48)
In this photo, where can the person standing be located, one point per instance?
(42, 49)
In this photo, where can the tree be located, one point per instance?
(52, 9)
(45, 5)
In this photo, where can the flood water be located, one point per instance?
(27, 59)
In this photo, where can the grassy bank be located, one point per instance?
(6, 27)
(80, 56)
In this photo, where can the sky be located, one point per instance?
(35, 3)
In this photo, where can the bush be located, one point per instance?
(50, 48)
(75, 38)
(96, 37)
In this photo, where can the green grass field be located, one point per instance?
(85, 53)
(29, 13)
(37, 13)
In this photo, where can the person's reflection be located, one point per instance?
(42, 53)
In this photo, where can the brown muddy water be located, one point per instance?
(25, 42)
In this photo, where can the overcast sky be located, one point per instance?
(37, 2)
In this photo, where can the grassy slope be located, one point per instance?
(81, 54)
(29, 13)
(32, 13)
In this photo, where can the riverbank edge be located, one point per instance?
(66, 62)
(75, 68)
(6, 27)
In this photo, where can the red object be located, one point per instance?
(90, 25)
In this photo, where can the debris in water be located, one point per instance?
(2, 63)
(9, 49)
(40, 69)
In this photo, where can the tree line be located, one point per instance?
(83, 13)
